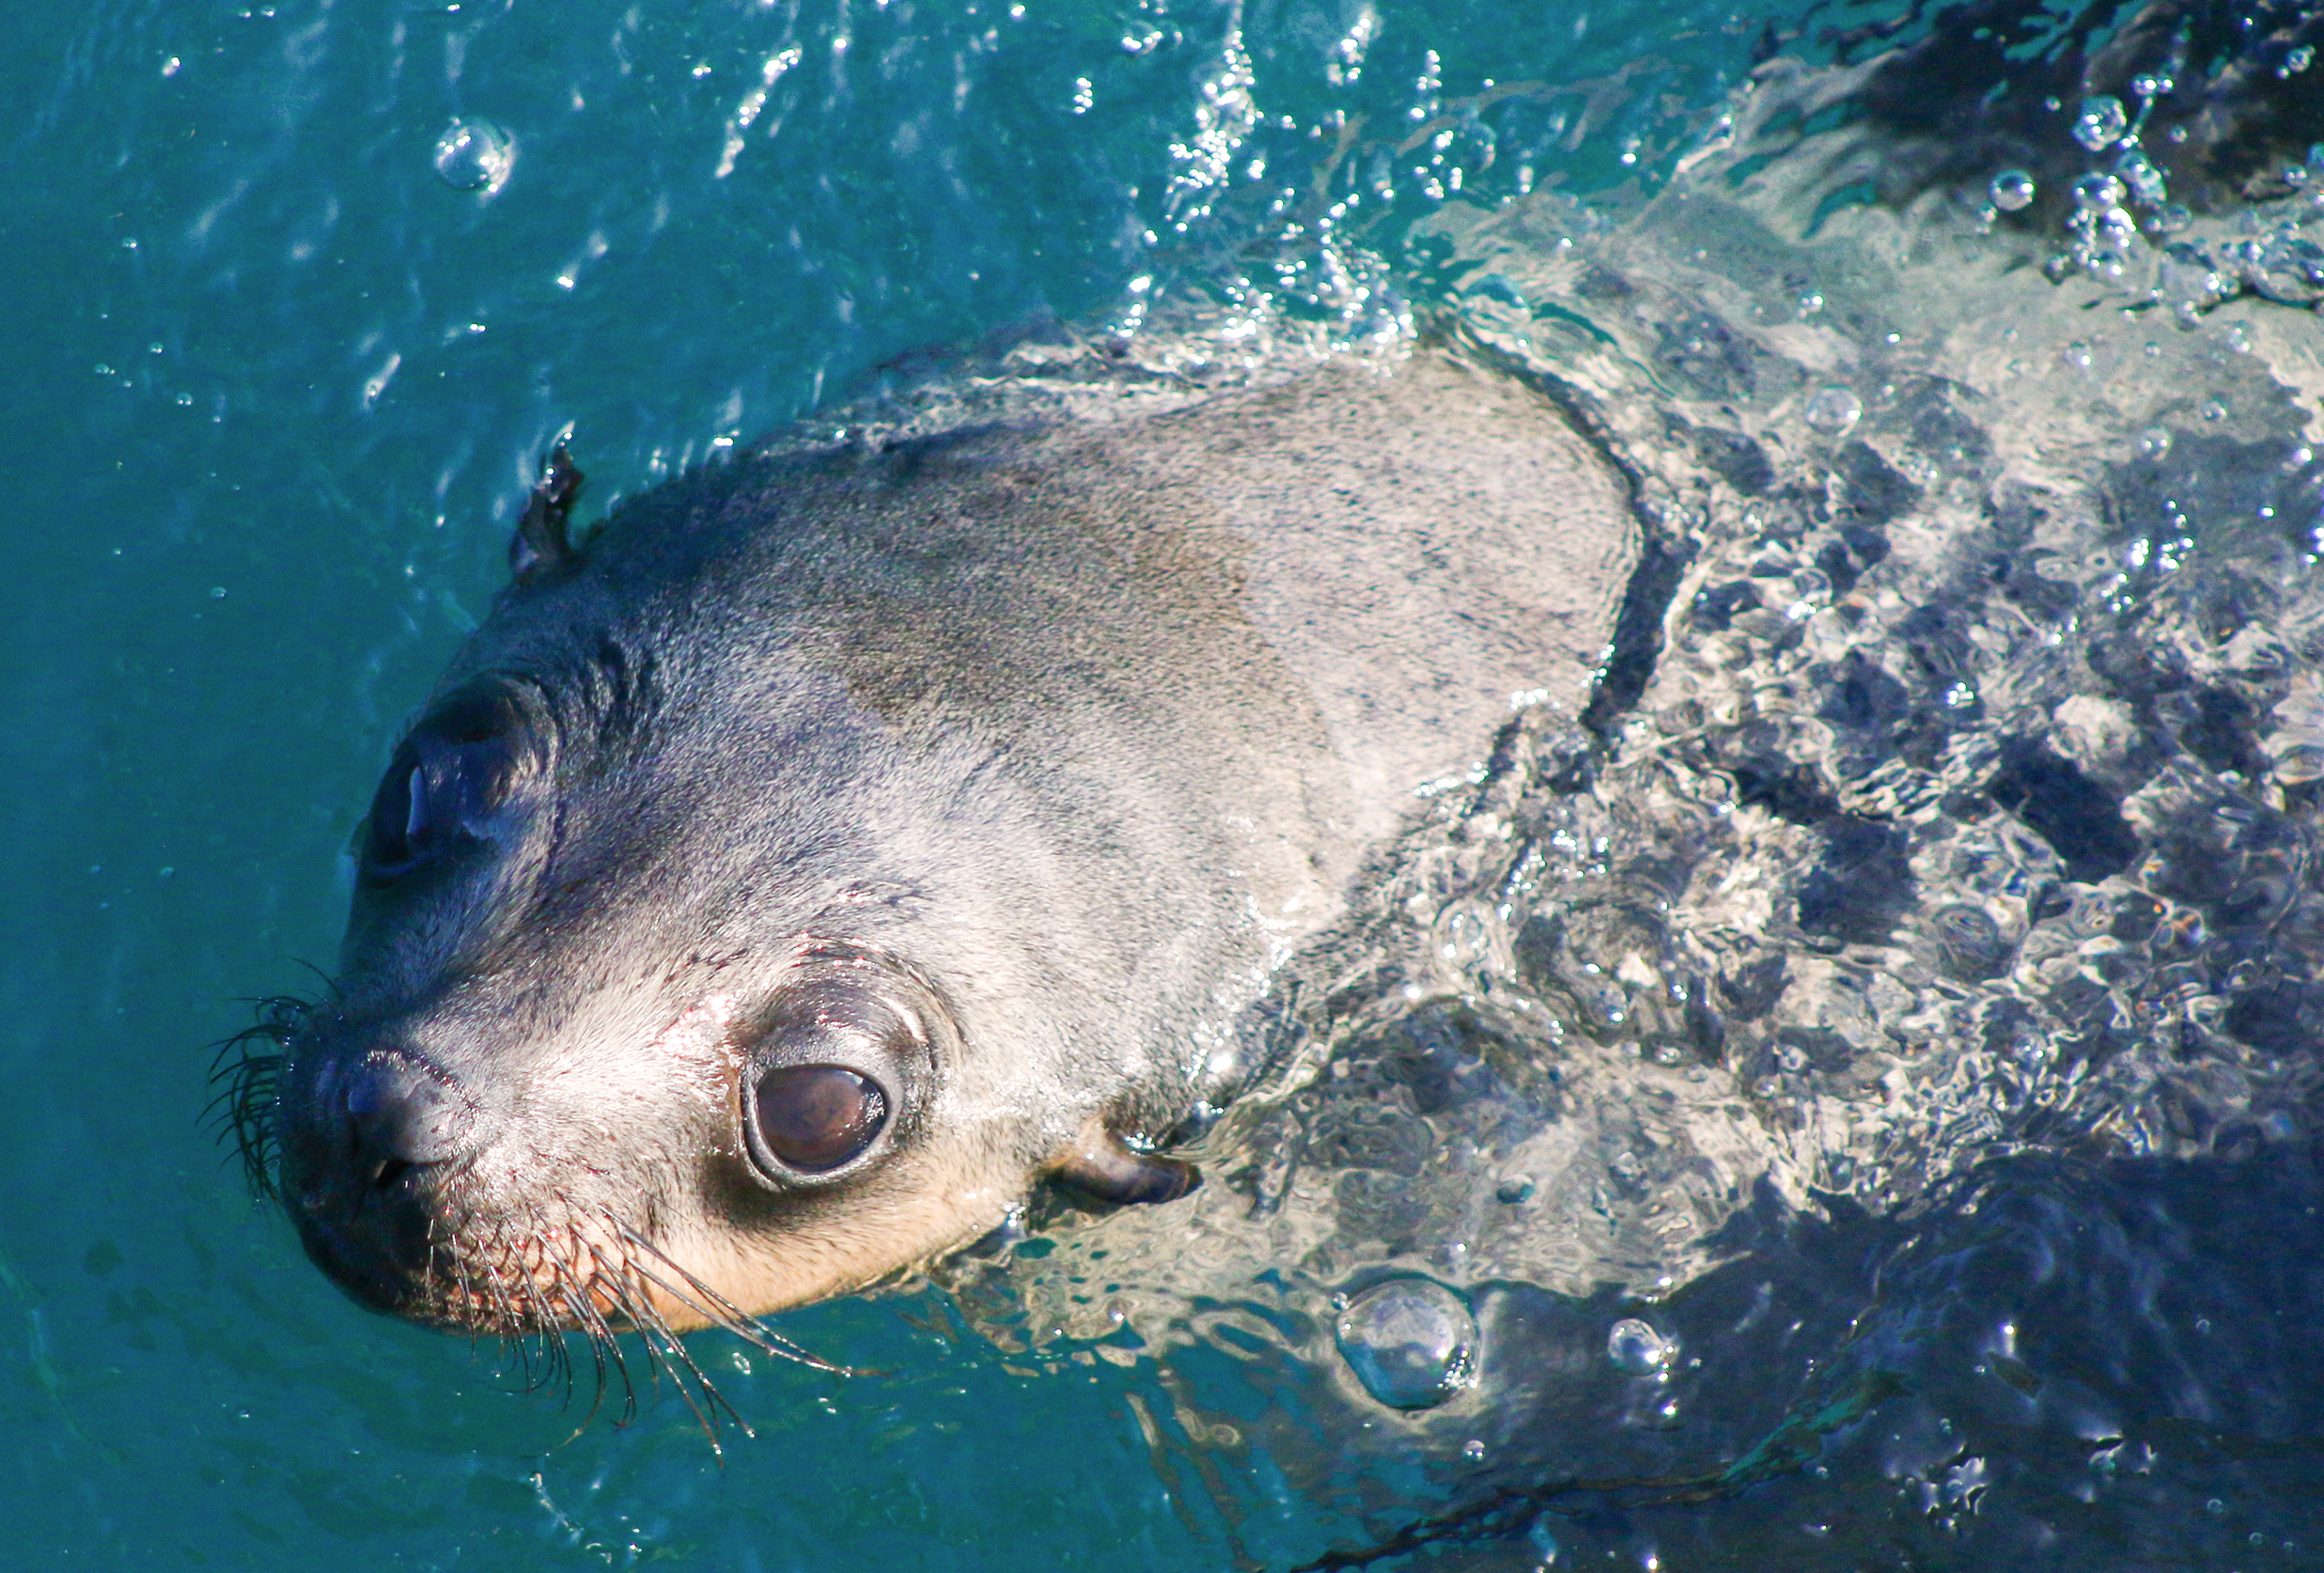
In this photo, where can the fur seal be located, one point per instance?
(842, 841)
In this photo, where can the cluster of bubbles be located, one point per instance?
(2113, 204)
(2268, 255)
(1412, 1343)
(2124, 230)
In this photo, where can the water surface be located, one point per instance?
(1896, 995)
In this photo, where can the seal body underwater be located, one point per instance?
(846, 840)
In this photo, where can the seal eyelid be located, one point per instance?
(447, 780)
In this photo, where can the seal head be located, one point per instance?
(843, 841)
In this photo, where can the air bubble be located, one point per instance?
(2154, 443)
(2011, 190)
(2101, 122)
(2214, 411)
(2097, 194)
(1832, 410)
(1514, 1189)
(1410, 1342)
(2139, 173)
(1636, 1349)
(474, 155)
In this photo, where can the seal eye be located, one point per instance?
(443, 785)
(816, 1118)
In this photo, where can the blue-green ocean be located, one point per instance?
(294, 298)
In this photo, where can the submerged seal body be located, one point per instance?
(774, 891)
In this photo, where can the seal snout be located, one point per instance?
(368, 1140)
(402, 1114)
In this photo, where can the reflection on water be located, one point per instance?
(1876, 1046)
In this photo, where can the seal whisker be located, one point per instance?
(578, 1301)
(508, 1324)
(622, 1295)
(720, 1311)
(710, 1404)
(248, 1079)
(556, 1359)
(611, 1343)
(584, 1293)
(620, 1290)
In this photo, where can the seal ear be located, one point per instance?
(541, 547)
(1104, 1168)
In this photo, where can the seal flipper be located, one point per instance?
(1104, 1168)
(541, 547)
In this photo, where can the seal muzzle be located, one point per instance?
(367, 1141)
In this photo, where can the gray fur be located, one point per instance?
(1082, 725)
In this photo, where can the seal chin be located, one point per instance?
(355, 1265)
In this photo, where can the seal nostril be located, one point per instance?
(402, 1114)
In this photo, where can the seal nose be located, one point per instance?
(405, 1114)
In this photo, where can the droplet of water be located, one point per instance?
(474, 155)
(1635, 1347)
(2011, 190)
(1832, 410)
(2139, 173)
(1410, 1342)
(2095, 193)
(2170, 219)
(2101, 122)
(2154, 443)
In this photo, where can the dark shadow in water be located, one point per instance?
(2091, 1363)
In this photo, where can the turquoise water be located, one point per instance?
(275, 388)
(279, 386)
